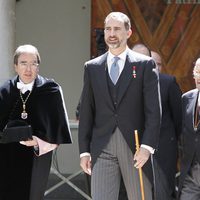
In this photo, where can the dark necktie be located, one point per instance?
(114, 70)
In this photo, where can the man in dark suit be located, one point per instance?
(116, 100)
(165, 159)
(167, 153)
(190, 167)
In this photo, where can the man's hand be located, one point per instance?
(85, 164)
(29, 143)
(141, 157)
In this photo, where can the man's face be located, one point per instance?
(27, 67)
(115, 34)
(197, 74)
(157, 60)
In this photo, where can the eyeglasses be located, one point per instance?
(33, 65)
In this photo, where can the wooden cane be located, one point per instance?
(140, 169)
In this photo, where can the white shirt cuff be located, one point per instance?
(84, 154)
(150, 149)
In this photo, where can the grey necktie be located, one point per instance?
(114, 70)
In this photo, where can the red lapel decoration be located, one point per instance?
(134, 71)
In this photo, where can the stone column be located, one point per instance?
(7, 38)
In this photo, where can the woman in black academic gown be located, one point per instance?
(38, 101)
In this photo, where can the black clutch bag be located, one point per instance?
(15, 131)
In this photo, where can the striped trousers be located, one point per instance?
(114, 162)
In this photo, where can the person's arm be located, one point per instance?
(86, 123)
(43, 146)
(152, 113)
(151, 106)
(87, 113)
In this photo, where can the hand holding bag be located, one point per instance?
(15, 131)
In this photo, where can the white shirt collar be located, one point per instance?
(122, 56)
(121, 62)
(24, 87)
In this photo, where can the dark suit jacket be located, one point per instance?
(166, 156)
(137, 106)
(191, 138)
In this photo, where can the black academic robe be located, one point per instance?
(23, 175)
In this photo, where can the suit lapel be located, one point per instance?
(125, 78)
(102, 78)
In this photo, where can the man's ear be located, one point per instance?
(38, 70)
(15, 67)
(129, 33)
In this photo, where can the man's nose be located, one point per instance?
(112, 32)
(28, 68)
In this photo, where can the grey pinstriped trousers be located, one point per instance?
(190, 190)
(116, 160)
